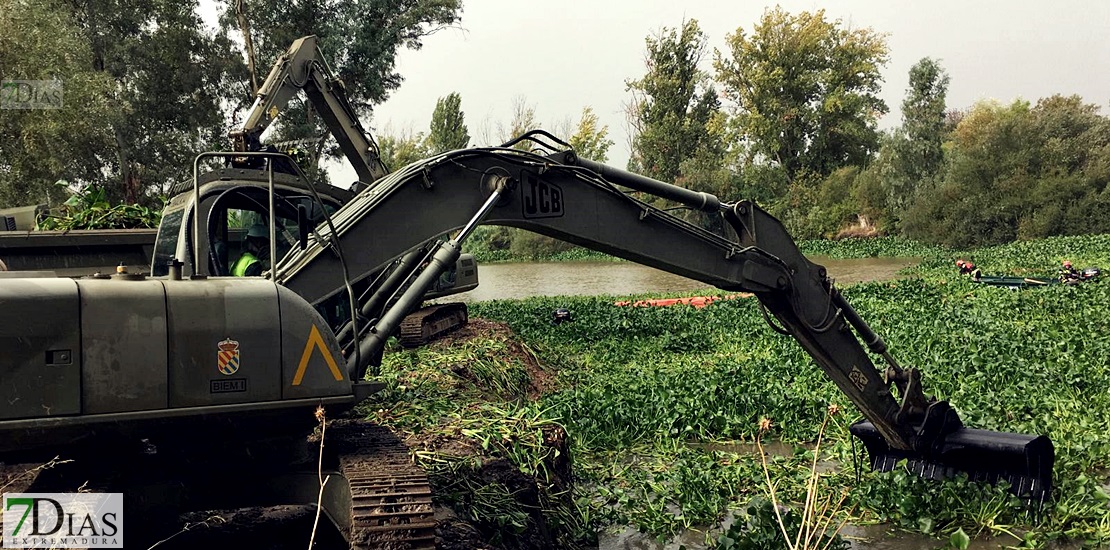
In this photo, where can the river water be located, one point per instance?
(522, 280)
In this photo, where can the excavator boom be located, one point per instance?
(579, 201)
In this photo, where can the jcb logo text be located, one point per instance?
(541, 199)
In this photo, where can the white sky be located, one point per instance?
(562, 56)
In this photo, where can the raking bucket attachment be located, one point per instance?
(1025, 461)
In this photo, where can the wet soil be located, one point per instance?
(274, 528)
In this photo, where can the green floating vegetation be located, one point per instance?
(660, 404)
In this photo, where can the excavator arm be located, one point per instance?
(302, 68)
(586, 203)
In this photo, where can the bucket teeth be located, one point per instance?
(1023, 461)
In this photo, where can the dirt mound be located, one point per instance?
(470, 515)
(540, 380)
(471, 519)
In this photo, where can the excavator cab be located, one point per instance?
(235, 211)
(231, 200)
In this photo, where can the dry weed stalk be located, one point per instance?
(208, 522)
(320, 475)
(56, 461)
(817, 515)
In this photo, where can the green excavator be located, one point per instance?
(193, 390)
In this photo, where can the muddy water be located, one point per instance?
(522, 280)
(859, 537)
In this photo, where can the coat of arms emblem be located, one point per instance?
(227, 360)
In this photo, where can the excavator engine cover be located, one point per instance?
(1023, 461)
(155, 357)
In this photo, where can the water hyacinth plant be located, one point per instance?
(661, 406)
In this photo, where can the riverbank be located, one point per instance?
(654, 401)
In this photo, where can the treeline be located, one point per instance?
(786, 114)
(789, 115)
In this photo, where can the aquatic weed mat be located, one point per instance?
(646, 378)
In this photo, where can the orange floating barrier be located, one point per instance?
(696, 301)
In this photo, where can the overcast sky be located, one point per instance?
(562, 56)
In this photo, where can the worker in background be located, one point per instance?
(256, 247)
(965, 267)
(1068, 273)
(968, 268)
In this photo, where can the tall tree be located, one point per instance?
(523, 120)
(912, 154)
(174, 79)
(806, 91)
(448, 129)
(590, 141)
(41, 41)
(673, 104)
(923, 117)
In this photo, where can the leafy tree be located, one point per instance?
(1020, 172)
(174, 78)
(673, 105)
(913, 154)
(162, 77)
(873, 211)
(806, 91)
(523, 120)
(990, 160)
(402, 149)
(923, 117)
(589, 141)
(41, 41)
(448, 130)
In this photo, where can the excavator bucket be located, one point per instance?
(1024, 461)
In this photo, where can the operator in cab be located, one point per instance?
(256, 248)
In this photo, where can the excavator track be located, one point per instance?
(377, 496)
(391, 500)
(431, 322)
